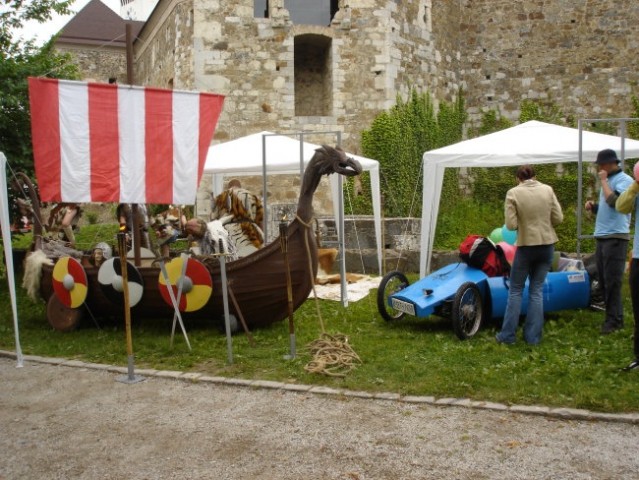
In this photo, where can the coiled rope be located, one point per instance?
(332, 354)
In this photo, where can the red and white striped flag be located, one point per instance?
(96, 142)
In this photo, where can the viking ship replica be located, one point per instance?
(259, 285)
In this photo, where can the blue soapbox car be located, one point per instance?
(469, 297)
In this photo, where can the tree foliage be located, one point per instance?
(15, 13)
(633, 127)
(491, 121)
(20, 60)
(544, 111)
(398, 138)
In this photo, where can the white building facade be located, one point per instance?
(138, 10)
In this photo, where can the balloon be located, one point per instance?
(496, 235)
(509, 236)
(509, 251)
(635, 171)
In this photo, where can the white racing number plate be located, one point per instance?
(403, 306)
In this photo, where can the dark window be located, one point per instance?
(313, 74)
(311, 12)
(260, 9)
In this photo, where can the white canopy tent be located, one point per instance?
(266, 153)
(8, 253)
(532, 142)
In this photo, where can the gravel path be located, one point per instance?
(59, 422)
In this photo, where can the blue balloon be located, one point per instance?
(509, 236)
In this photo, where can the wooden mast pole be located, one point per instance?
(130, 377)
(135, 211)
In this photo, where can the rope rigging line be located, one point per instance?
(404, 229)
(410, 213)
(357, 242)
(369, 298)
(308, 231)
(332, 354)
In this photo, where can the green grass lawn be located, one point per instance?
(573, 367)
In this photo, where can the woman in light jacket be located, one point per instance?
(532, 209)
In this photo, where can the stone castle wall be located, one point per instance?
(164, 49)
(578, 54)
(99, 64)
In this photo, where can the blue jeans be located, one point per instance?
(531, 263)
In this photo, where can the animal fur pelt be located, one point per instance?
(238, 237)
(326, 259)
(33, 273)
(336, 278)
(216, 240)
(58, 248)
(245, 209)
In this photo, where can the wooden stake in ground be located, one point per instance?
(289, 287)
(131, 377)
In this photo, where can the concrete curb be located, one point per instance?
(559, 412)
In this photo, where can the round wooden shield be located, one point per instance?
(70, 282)
(110, 279)
(197, 285)
(61, 317)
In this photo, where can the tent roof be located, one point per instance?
(531, 142)
(243, 156)
(527, 143)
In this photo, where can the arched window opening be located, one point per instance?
(313, 75)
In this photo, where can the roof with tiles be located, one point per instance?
(96, 24)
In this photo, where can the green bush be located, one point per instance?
(92, 218)
(483, 211)
(398, 139)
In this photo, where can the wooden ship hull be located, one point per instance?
(257, 287)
